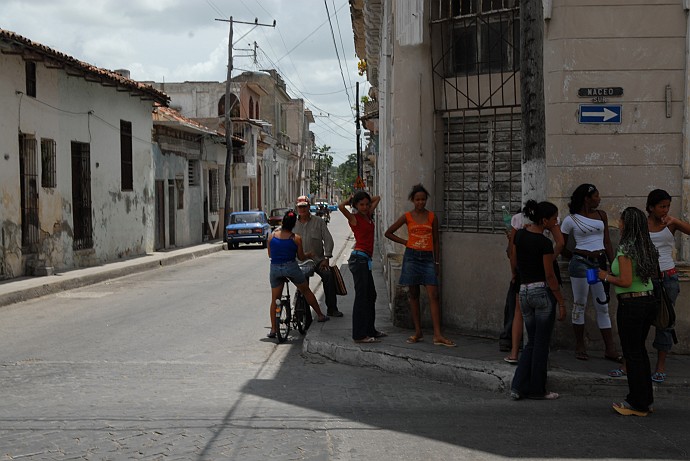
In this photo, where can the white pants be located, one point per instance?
(581, 291)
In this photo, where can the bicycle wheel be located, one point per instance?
(282, 321)
(301, 307)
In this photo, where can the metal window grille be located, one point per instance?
(126, 167)
(48, 157)
(179, 184)
(28, 172)
(475, 52)
(81, 196)
(213, 192)
(193, 173)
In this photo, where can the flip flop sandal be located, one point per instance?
(659, 377)
(414, 339)
(625, 409)
(510, 360)
(444, 342)
(617, 373)
(367, 340)
(617, 359)
(380, 334)
(582, 355)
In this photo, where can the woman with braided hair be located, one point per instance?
(634, 266)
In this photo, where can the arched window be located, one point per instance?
(234, 106)
(251, 107)
(257, 110)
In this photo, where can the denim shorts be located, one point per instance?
(289, 270)
(663, 338)
(418, 268)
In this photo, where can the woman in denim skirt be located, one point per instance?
(420, 262)
(532, 257)
(662, 227)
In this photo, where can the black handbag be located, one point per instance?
(666, 317)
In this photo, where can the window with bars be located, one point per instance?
(179, 185)
(193, 173)
(30, 69)
(81, 196)
(126, 167)
(213, 192)
(48, 158)
(28, 173)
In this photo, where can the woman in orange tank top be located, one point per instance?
(420, 262)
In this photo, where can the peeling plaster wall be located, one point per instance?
(122, 221)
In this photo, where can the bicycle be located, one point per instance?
(301, 320)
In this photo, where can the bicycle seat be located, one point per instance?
(308, 267)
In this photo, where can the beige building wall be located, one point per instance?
(642, 49)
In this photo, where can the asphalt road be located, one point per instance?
(174, 364)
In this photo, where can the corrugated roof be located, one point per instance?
(12, 43)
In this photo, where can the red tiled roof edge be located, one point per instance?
(135, 87)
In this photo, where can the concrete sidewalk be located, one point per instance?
(23, 288)
(476, 362)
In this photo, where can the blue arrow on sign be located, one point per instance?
(596, 113)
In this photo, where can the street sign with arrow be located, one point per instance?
(600, 113)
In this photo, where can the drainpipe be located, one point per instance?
(685, 187)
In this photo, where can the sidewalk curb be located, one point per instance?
(476, 374)
(73, 279)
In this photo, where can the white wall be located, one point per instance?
(70, 109)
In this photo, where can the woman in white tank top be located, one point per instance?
(588, 226)
(662, 227)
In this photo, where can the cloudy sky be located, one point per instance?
(179, 40)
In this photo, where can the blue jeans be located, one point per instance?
(663, 338)
(634, 318)
(538, 307)
(364, 308)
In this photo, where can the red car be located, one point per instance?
(275, 218)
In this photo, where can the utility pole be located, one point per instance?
(228, 121)
(532, 100)
(318, 176)
(360, 171)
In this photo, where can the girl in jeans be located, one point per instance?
(662, 226)
(420, 262)
(635, 265)
(362, 225)
(532, 257)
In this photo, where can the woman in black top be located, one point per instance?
(532, 257)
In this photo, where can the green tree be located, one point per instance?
(346, 174)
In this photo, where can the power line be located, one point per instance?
(337, 54)
(342, 46)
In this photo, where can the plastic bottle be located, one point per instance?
(506, 218)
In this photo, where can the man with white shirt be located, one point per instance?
(317, 239)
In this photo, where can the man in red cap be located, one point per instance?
(317, 239)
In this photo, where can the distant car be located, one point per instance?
(275, 218)
(333, 207)
(312, 208)
(247, 227)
